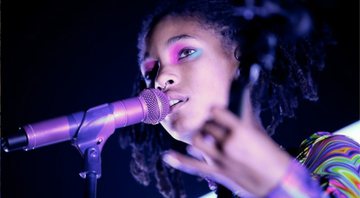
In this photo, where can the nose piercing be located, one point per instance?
(169, 82)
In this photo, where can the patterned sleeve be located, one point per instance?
(333, 161)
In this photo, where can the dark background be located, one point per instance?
(60, 57)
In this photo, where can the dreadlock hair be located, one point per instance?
(147, 143)
(274, 34)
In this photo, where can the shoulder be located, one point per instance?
(334, 160)
(324, 147)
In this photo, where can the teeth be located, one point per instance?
(173, 102)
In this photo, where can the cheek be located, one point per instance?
(210, 91)
(216, 82)
(215, 74)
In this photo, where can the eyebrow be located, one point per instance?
(176, 38)
(169, 42)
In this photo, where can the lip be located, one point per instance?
(176, 106)
(175, 96)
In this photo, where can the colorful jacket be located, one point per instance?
(333, 161)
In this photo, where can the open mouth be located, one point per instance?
(176, 103)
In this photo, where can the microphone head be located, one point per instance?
(157, 103)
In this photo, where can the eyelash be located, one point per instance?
(150, 75)
(181, 52)
(147, 76)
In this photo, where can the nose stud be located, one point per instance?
(169, 82)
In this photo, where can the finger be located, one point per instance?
(224, 117)
(194, 152)
(220, 133)
(207, 145)
(247, 112)
(195, 167)
(187, 164)
(229, 120)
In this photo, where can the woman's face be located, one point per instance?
(197, 69)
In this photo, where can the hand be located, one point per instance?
(236, 153)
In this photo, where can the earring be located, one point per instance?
(237, 73)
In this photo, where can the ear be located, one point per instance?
(236, 58)
(237, 53)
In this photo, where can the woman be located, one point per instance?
(206, 56)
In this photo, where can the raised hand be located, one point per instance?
(234, 152)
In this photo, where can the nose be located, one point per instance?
(165, 83)
(165, 79)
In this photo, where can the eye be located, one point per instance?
(150, 75)
(186, 52)
(147, 76)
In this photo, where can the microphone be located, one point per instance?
(151, 106)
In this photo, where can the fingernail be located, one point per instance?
(254, 73)
(171, 160)
(194, 152)
(208, 139)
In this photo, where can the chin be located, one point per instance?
(186, 138)
(179, 133)
(183, 130)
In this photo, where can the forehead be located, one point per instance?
(172, 28)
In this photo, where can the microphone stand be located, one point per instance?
(96, 127)
(90, 130)
(92, 171)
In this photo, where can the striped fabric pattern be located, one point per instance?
(333, 160)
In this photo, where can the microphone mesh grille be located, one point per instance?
(157, 104)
